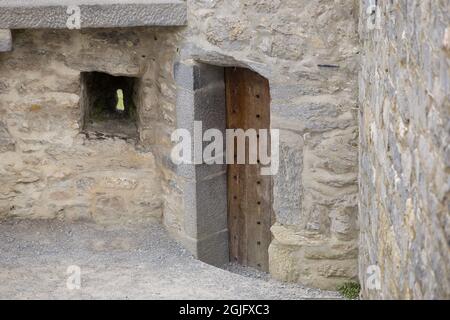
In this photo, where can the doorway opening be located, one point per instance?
(227, 208)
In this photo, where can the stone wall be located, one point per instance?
(405, 155)
(307, 49)
(48, 168)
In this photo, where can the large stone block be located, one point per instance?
(193, 76)
(212, 249)
(108, 209)
(201, 98)
(316, 115)
(312, 259)
(185, 109)
(5, 40)
(212, 205)
(287, 190)
(210, 107)
(52, 14)
(323, 274)
(205, 204)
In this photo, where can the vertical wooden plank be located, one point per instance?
(249, 195)
(252, 212)
(233, 172)
(236, 173)
(258, 226)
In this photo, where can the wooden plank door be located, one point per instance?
(249, 193)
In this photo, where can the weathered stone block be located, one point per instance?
(311, 258)
(205, 204)
(93, 14)
(287, 188)
(5, 40)
(201, 97)
(78, 213)
(185, 109)
(212, 205)
(193, 76)
(7, 143)
(324, 274)
(212, 249)
(209, 106)
(108, 209)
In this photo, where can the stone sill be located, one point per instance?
(52, 14)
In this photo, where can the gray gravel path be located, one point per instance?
(127, 262)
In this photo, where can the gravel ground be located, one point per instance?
(127, 262)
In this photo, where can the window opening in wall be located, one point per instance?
(120, 104)
(109, 105)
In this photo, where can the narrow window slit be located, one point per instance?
(110, 105)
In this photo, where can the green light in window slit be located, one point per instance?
(120, 105)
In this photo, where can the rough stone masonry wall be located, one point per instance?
(405, 154)
(48, 169)
(307, 49)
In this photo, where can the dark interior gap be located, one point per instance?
(109, 104)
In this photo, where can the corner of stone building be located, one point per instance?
(314, 103)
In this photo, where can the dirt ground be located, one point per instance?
(127, 262)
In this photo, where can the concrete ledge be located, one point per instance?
(50, 14)
(5, 40)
